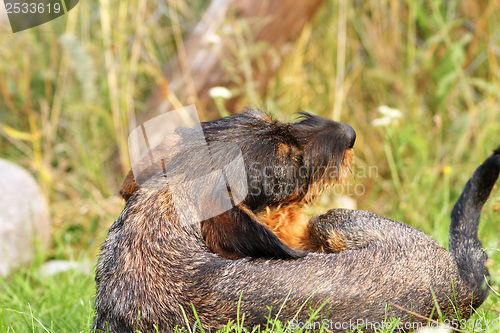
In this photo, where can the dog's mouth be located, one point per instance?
(335, 175)
(345, 167)
(338, 172)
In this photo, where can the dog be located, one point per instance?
(353, 267)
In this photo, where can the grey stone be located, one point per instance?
(23, 217)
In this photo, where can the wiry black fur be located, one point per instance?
(320, 139)
(150, 266)
(465, 247)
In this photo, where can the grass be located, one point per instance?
(69, 88)
(31, 302)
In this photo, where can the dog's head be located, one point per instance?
(327, 150)
(282, 165)
(285, 163)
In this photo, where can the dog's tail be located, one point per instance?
(465, 247)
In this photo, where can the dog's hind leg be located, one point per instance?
(343, 229)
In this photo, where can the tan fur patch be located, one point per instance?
(288, 223)
(336, 242)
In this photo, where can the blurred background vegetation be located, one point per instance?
(69, 88)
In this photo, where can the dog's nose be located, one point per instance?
(350, 135)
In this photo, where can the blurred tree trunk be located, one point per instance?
(238, 44)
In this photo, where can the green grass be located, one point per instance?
(31, 302)
(436, 62)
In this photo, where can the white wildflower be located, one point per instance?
(220, 92)
(389, 116)
(384, 121)
(213, 39)
(389, 112)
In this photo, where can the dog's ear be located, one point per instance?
(149, 165)
(146, 171)
(237, 233)
(129, 186)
